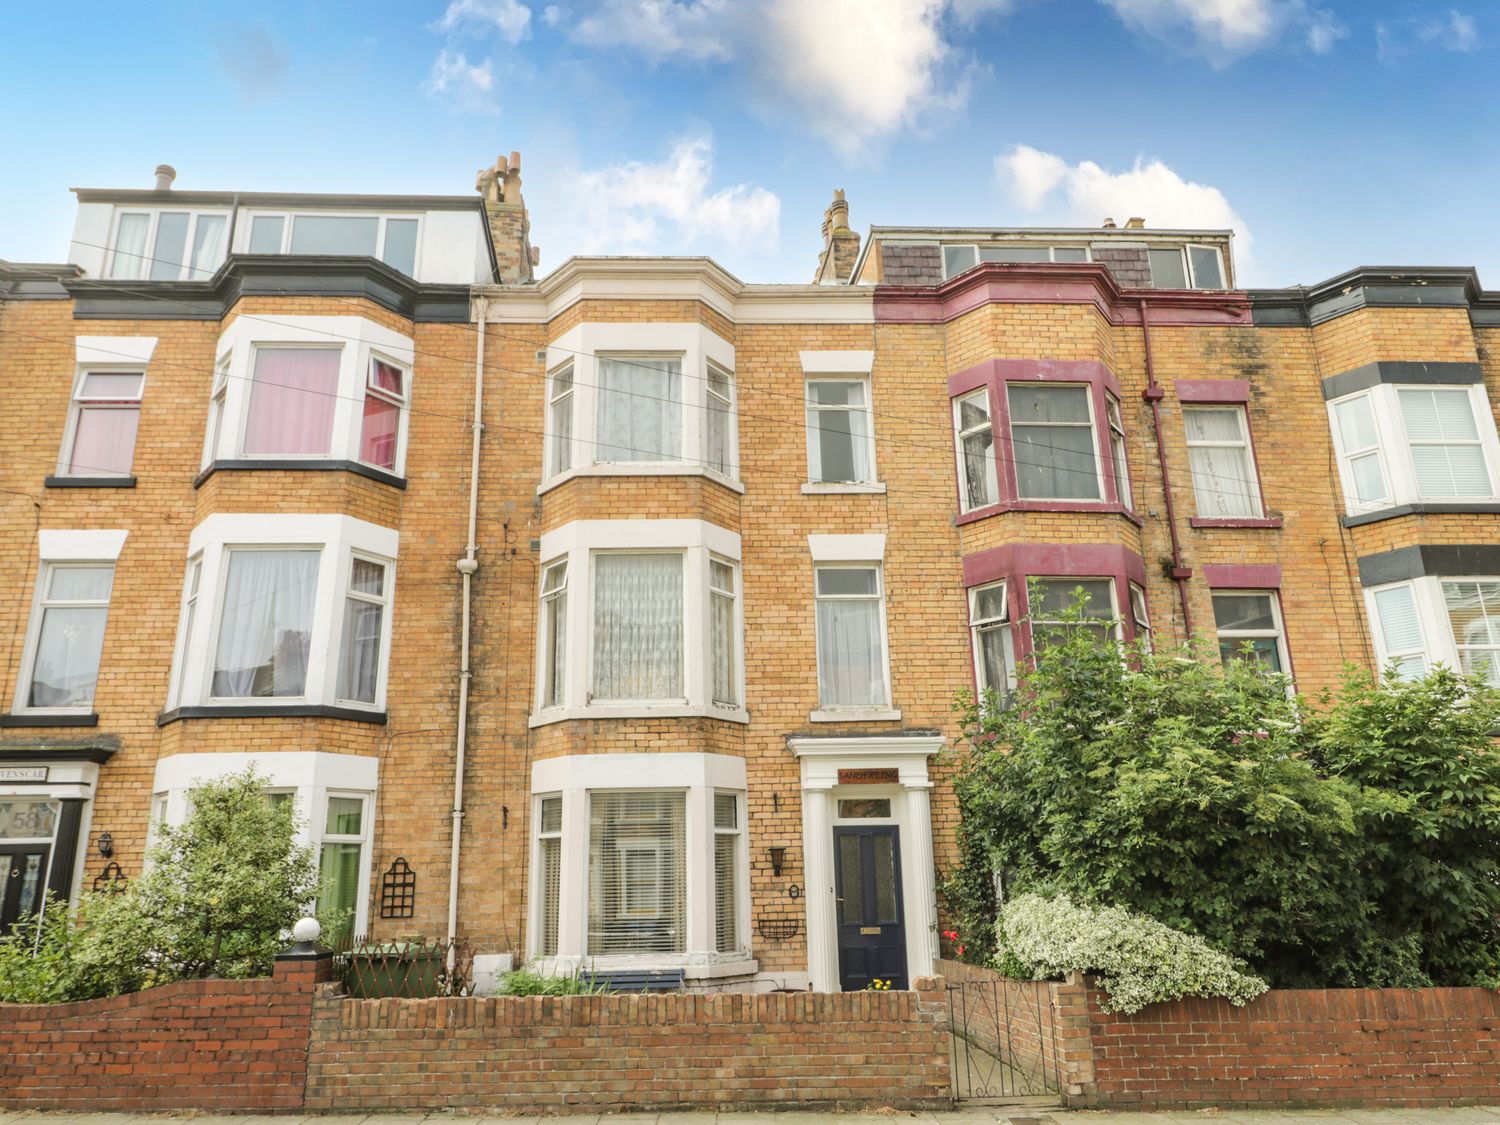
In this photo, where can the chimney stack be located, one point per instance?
(1135, 222)
(840, 244)
(165, 174)
(510, 226)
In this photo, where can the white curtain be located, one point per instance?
(851, 654)
(361, 660)
(638, 627)
(726, 682)
(130, 247)
(640, 410)
(838, 440)
(292, 400)
(1222, 480)
(71, 638)
(208, 247)
(267, 624)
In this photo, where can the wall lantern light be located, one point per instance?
(106, 845)
(778, 857)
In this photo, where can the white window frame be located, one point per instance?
(1283, 654)
(1140, 615)
(358, 341)
(700, 777)
(290, 217)
(697, 542)
(966, 502)
(400, 401)
(546, 670)
(741, 869)
(1394, 446)
(728, 404)
(77, 404)
(834, 712)
(184, 268)
(310, 776)
(1094, 437)
(62, 548)
(582, 346)
(559, 447)
(1244, 444)
(812, 410)
(979, 624)
(40, 604)
(362, 839)
(1439, 645)
(1188, 269)
(1070, 582)
(1119, 450)
(339, 540)
(737, 632)
(979, 248)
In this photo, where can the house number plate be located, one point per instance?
(870, 930)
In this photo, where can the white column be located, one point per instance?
(817, 853)
(572, 906)
(699, 870)
(921, 891)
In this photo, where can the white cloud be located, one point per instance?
(552, 15)
(660, 29)
(1084, 194)
(853, 70)
(1224, 30)
(1451, 31)
(509, 17)
(667, 206)
(464, 85)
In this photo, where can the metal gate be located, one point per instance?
(1004, 1042)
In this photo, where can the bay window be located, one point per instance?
(639, 399)
(311, 389)
(285, 610)
(1053, 441)
(1415, 444)
(333, 813)
(657, 629)
(976, 450)
(639, 859)
(1430, 620)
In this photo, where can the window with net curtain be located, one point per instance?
(637, 873)
(1053, 442)
(169, 257)
(638, 638)
(106, 413)
(70, 636)
(976, 444)
(851, 637)
(265, 628)
(839, 431)
(994, 643)
(293, 393)
(364, 618)
(1224, 480)
(1474, 615)
(639, 409)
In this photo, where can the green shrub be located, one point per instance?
(38, 958)
(1138, 960)
(526, 982)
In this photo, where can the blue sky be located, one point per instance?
(1329, 133)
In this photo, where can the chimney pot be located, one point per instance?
(1109, 224)
(165, 174)
(1135, 222)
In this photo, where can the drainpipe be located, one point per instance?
(1154, 394)
(466, 567)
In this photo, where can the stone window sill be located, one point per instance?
(843, 488)
(652, 470)
(1205, 521)
(272, 711)
(50, 719)
(855, 715)
(89, 482)
(638, 711)
(299, 465)
(1431, 508)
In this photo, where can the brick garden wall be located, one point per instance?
(1356, 1046)
(677, 1051)
(225, 1045)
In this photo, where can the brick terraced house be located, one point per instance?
(615, 617)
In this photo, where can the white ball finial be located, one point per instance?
(306, 930)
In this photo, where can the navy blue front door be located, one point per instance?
(867, 883)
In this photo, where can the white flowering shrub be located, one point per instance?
(1137, 960)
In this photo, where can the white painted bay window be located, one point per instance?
(333, 812)
(1429, 621)
(640, 399)
(639, 860)
(310, 388)
(639, 617)
(1416, 444)
(281, 610)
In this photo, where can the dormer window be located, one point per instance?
(961, 259)
(167, 245)
(391, 238)
(1186, 267)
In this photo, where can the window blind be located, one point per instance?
(726, 873)
(636, 873)
(550, 858)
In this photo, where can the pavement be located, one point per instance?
(969, 1115)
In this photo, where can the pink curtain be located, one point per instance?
(104, 442)
(377, 440)
(291, 401)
